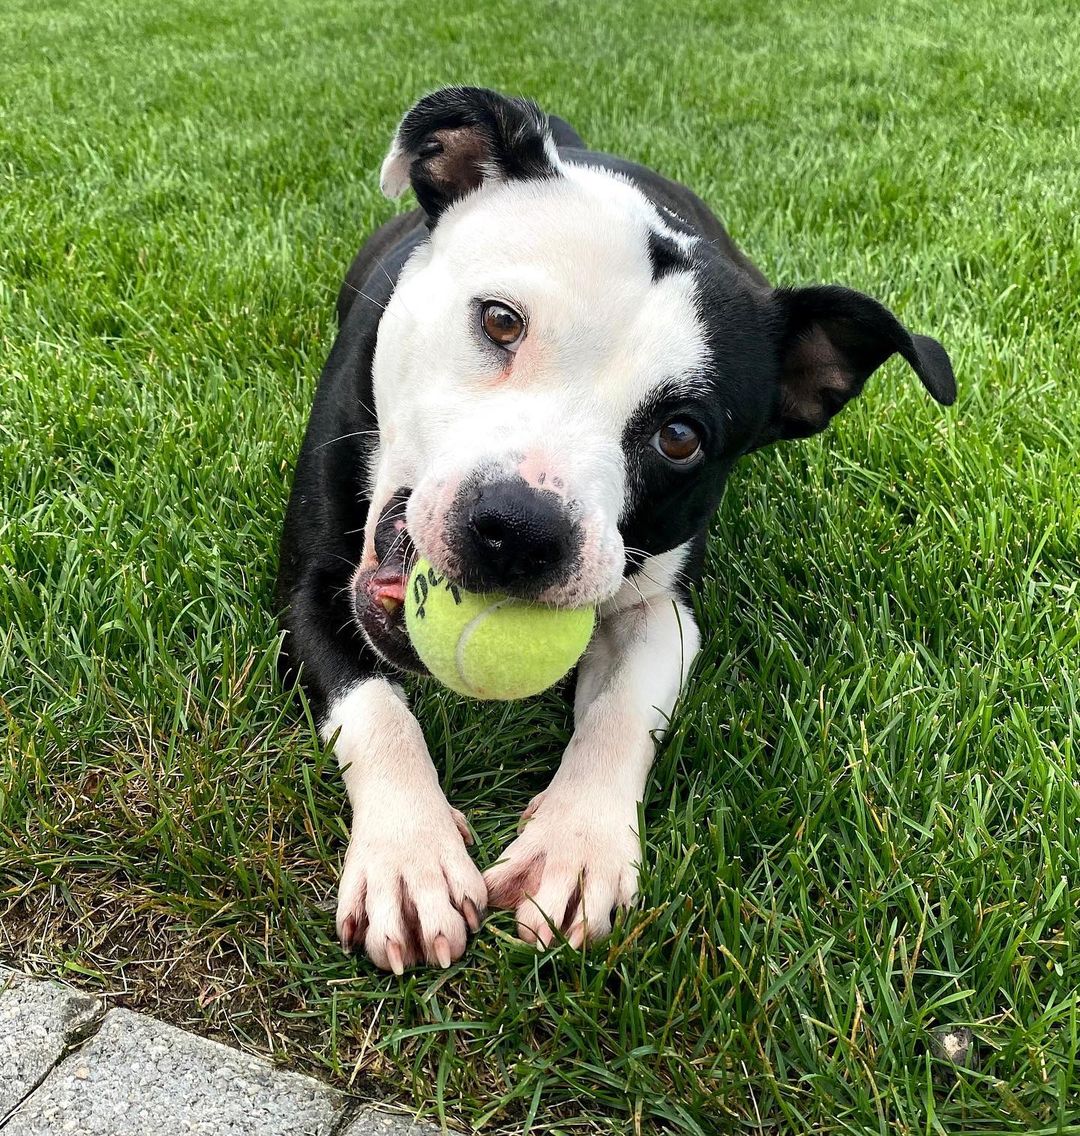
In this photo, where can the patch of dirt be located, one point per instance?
(124, 948)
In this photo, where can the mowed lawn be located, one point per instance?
(865, 824)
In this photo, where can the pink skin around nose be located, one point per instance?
(427, 520)
(537, 470)
(600, 564)
(428, 508)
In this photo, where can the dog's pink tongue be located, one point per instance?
(392, 587)
(387, 587)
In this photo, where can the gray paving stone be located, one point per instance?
(38, 1020)
(139, 1077)
(373, 1122)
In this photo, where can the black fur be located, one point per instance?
(453, 136)
(781, 363)
(665, 256)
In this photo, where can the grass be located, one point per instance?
(866, 822)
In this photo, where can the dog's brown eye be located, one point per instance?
(502, 325)
(678, 441)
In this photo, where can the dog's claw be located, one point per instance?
(441, 947)
(353, 930)
(545, 933)
(394, 957)
(472, 916)
(462, 826)
(530, 812)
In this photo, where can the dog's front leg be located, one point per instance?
(576, 858)
(409, 891)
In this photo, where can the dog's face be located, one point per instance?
(566, 372)
(546, 392)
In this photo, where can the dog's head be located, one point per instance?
(566, 372)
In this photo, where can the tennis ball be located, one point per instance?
(491, 646)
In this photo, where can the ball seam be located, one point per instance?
(466, 635)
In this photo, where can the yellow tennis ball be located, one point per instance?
(491, 646)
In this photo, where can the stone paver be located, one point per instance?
(125, 1074)
(38, 1021)
(140, 1077)
(372, 1122)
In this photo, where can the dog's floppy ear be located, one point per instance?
(833, 339)
(455, 139)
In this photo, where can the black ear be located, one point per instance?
(455, 139)
(833, 339)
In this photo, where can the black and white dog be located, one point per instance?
(541, 381)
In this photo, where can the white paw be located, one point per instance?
(409, 890)
(573, 864)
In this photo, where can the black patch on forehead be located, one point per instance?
(729, 397)
(665, 256)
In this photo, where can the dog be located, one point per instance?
(541, 380)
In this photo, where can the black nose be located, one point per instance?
(517, 535)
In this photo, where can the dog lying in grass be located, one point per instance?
(542, 378)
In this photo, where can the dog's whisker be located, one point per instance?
(344, 437)
(368, 410)
(382, 269)
(395, 544)
(678, 575)
(370, 299)
(395, 513)
(393, 284)
(345, 560)
(640, 593)
(392, 508)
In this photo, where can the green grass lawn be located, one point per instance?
(866, 822)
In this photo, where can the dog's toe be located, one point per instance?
(566, 872)
(409, 897)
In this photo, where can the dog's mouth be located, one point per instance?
(379, 591)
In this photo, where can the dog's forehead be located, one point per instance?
(589, 226)
(578, 252)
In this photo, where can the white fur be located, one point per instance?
(658, 577)
(580, 835)
(570, 253)
(394, 175)
(406, 841)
